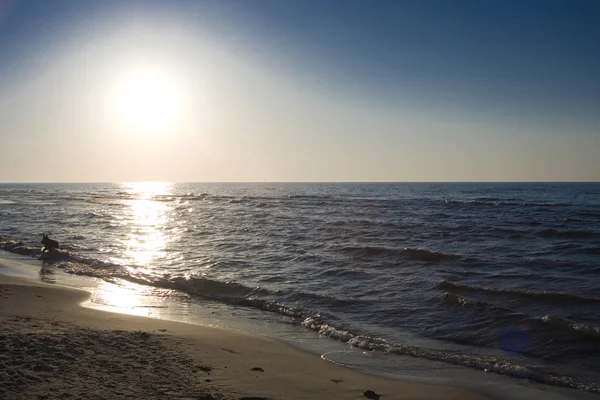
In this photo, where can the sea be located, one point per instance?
(502, 278)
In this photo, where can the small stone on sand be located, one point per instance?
(371, 395)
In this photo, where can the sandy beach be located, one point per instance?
(53, 348)
(334, 199)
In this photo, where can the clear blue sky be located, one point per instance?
(271, 90)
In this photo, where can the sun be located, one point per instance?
(146, 100)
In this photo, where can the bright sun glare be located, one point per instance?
(147, 101)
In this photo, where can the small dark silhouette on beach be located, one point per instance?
(50, 246)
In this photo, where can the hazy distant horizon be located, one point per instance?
(290, 182)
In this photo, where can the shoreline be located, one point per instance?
(478, 363)
(188, 359)
(405, 370)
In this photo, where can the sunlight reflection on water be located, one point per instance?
(147, 219)
(127, 298)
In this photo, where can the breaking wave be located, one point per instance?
(19, 247)
(498, 203)
(542, 295)
(464, 301)
(493, 364)
(410, 253)
(429, 256)
(587, 330)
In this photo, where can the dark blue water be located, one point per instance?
(503, 277)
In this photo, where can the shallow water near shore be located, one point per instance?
(137, 300)
(496, 277)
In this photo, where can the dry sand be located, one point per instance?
(53, 348)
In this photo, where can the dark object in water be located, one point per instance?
(49, 245)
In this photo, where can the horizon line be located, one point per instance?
(280, 182)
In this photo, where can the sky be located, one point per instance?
(327, 90)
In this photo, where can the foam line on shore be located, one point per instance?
(185, 359)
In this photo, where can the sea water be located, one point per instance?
(495, 277)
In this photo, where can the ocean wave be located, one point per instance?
(370, 251)
(309, 196)
(551, 322)
(500, 312)
(542, 295)
(411, 253)
(510, 233)
(65, 259)
(567, 246)
(359, 222)
(38, 202)
(226, 292)
(465, 301)
(217, 197)
(164, 198)
(107, 202)
(241, 295)
(335, 302)
(345, 272)
(209, 288)
(498, 203)
(316, 324)
(591, 214)
(429, 256)
(90, 267)
(70, 247)
(517, 275)
(194, 196)
(19, 247)
(493, 364)
(496, 365)
(76, 237)
(94, 215)
(572, 219)
(6, 202)
(587, 330)
(566, 234)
